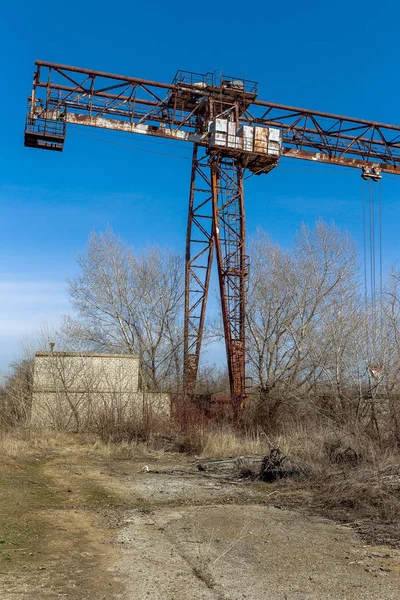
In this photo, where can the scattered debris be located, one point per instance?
(248, 468)
(277, 465)
(242, 466)
(144, 469)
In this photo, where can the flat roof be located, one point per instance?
(84, 354)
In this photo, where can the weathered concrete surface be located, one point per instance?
(83, 524)
(225, 550)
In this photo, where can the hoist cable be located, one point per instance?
(365, 245)
(373, 256)
(380, 261)
(373, 240)
(380, 242)
(371, 244)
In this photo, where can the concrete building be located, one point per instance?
(71, 389)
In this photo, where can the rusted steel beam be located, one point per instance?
(132, 127)
(202, 139)
(340, 135)
(94, 93)
(340, 161)
(307, 111)
(92, 73)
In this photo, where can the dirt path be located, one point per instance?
(81, 526)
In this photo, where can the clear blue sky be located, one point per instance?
(340, 57)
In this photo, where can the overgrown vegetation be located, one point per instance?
(325, 365)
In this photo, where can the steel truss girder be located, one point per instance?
(71, 95)
(216, 219)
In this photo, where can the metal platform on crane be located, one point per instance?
(194, 86)
(45, 134)
(256, 163)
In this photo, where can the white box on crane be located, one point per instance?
(218, 126)
(274, 147)
(274, 135)
(223, 133)
(233, 140)
(274, 142)
(246, 135)
(260, 140)
(274, 150)
(218, 139)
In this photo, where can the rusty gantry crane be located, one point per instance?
(232, 132)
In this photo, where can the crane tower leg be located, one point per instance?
(199, 256)
(216, 218)
(233, 267)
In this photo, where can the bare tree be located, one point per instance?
(16, 394)
(130, 302)
(293, 309)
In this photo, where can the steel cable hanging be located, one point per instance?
(373, 258)
(380, 260)
(365, 247)
(372, 245)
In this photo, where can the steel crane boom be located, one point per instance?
(231, 132)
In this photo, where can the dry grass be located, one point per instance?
(20, 442)
(225, 442)
(209, 441)
(12, 445)
(24, 443)
(367, 490)
(349, 474)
